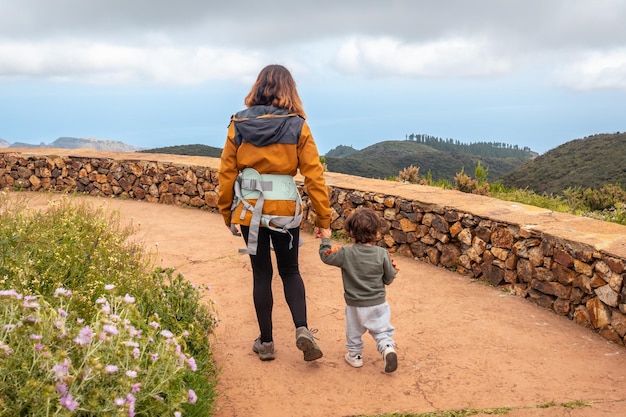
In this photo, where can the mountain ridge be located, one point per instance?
(77, 143)
(386, 159)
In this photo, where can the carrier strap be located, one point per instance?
(251, 184)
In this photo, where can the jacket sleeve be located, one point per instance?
(311, 168)
(227, 175)
(389, 269)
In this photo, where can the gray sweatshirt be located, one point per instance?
(365, 270)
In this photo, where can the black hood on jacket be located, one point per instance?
(278, 126)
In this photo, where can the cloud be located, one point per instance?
(103, 63)
(194, 41)
(454, 57)
(595, 70)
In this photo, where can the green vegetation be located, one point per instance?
(493, 149)
(607, 203)
(466, 412)
(340, 151)
(582, 177)
(591, 162)
(191, 150)
(385, 159)
(89, 326)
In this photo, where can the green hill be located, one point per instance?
(191, 150)
(588, 163)
(387, 159)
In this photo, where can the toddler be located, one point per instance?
(365, 270)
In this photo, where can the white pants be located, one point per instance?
(374, 319)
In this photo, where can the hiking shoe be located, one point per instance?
(265, 350)
(391, 359)
(306, 343)
(355, 361)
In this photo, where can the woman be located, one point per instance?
(266, 145)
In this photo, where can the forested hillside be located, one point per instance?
(589, 163)
(387, 159)
(191, 150)
(491, 149)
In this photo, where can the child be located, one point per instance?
(365, 270)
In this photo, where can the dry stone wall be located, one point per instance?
(561, 269)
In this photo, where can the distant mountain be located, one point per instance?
(4, 143)
(590, 162)
(387, 159)
(82, 143)
(191, 150)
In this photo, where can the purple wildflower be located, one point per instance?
(192, 364)
(192, 396)
(167, 334)
(85, 335)
(130, 399)
(29, 304)
(110, 329)
(61, 388)
(10, 294)
(111, 369)
(62, 291)
(61, 370)
(69, 402)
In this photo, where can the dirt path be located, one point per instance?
(461, 344)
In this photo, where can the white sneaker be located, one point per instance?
(355, 361)
(391, 359)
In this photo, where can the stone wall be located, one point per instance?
(572, 265)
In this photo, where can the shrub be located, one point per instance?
(590, 199)
(84, 251)
(409, 174)
(466, 184)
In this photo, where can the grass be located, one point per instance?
(466, 412)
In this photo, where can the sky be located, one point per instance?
(153, 73)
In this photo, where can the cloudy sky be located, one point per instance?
(152, 73)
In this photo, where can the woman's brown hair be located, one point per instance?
(275, 87)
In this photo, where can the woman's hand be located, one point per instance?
(322, 233)
(234, 231)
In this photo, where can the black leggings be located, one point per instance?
(262, 271)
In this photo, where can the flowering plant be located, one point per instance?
(55, 363)
(74, 341)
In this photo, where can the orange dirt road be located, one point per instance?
(461, 343)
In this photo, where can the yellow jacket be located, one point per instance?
(272, 141)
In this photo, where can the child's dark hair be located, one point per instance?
(362, 225)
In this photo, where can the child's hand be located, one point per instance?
(393, 263)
